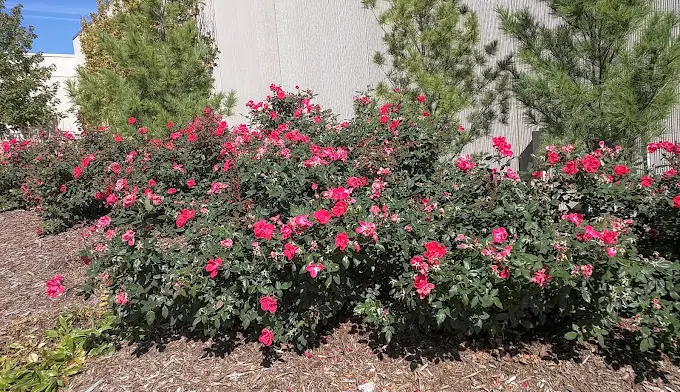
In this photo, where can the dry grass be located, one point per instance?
(346, 361)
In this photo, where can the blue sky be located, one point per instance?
(55, 21)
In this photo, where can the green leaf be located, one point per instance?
(644, 345)
(150, 317)
(570, 335)
(441, 316)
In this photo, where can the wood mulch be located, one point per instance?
(26, 262)
(347, 360)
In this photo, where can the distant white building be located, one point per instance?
(65, 69)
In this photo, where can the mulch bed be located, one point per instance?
(347, 360)
(26, 262)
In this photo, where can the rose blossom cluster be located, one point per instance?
(434, 252)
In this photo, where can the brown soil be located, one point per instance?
(345, 361)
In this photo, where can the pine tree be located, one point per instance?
(609, 71)
(153, 64)
(27, 101)
(434, 49)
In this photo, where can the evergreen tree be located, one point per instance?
(153, 64)
(434, 49)
(27, 101)
(608, 71)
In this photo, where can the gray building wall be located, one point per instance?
(323, 45)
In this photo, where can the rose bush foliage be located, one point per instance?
(280, 227)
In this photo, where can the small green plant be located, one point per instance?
(45, 365)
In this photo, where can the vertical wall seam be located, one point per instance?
(278, 44)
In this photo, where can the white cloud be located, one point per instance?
(50, 17)
(50, 8)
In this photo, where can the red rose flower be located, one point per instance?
(132, 120)
(422, 286)
(213, 266)
(121, 298)
(621, 170)
(266, 337)
(184, 216)
(290, 250)
(77, 172)
(129, 237)
(587, 270)
(590, 164)
(340, 194)
(357, 182)
(434, 251)
(646, 181)
(504, 273)
(111, 199)
(268, 304)
(609, 237)
(322, 216)
(465, 163)
(503, 147)
(541, 277)
(570, 168)
(676, 201)
(54, 286)
(499, 235)
(339, 209)
(574, 218)
(263, 230)
(342, 240)
(191, 183)
(314, 269)
(538, 174)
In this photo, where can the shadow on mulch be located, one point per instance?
(619, 352)
(420, 349)
(224, 344)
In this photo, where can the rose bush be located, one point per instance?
(283, 226)
(15, 158)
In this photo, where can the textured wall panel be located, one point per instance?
(245, 33)
(327, 45)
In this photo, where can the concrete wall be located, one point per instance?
(323, 45)
(327, 46)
